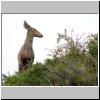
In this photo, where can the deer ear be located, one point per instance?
(26, 25)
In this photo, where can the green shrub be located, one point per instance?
(73, 63)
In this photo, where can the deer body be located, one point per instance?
(26, 52)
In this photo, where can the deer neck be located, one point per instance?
(29, 40)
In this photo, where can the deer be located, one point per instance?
(26, 52)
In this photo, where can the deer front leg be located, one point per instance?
(20, 68)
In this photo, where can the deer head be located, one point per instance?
(32, 32)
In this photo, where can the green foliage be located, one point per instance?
(93, 52)
(73, 63)
(33, 76)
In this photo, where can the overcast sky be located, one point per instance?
(14, 34)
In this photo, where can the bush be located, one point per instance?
(73, 63)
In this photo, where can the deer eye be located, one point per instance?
(35, 30)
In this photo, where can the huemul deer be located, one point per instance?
(26, 52)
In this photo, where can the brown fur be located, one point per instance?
(26, 52)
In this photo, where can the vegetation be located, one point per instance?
(73, 63)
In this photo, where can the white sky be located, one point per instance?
(14, 34)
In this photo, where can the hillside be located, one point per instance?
(73, 63)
